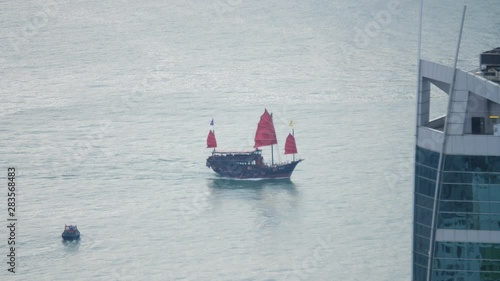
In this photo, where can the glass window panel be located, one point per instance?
(481, 192)
(456, 206)
(490, 276)
(418, 170)
(495, 251)
(495, 179)
(473, 276)
(449, 264)
(494, 221)
(426, 172)
(422, 230)
(472, 261)
(479, 251)
(420, 259)
(486, 178)
(469, 250)
(494, 208)
(452, 221)
(467, 221)
(470, 163)
(471, 192)
(456, 163)
(490, 265)
(456, 192)
(441, 275)
(430, 173)
(482, 207)
(478, 163)
(471, 177)
(494, 192)
(466, 206)
(423, 216)
(486, 250)
(425, 186)
(472, 221)
(447, 192)
(457, 177)
(445, 249)
(427, 157)
(460, 250)
(470, 199)
(494, 164)
(472, 250)
(421, 245)
(424, 201)
(473, 265)
(484, 221)
(419, 272)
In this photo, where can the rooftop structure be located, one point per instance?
(489, 65)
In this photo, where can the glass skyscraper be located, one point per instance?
(456, 224)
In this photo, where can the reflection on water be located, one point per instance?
(71, 245)
(273, 200)
(226, 183)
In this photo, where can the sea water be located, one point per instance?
(106, 105)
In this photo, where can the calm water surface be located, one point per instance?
(105, 108)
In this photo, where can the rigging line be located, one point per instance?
(417, 112)
(437, 190)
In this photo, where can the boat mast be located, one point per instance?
(272, 152)
(293, 135)
(266, 134)
(213, 129)
(272, 156)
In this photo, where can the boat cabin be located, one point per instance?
(244, 158)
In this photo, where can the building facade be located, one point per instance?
(456, 225)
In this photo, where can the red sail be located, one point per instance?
(290, 146)
(211, 142)
(265, 134)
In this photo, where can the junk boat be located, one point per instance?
(250, 164)
(70, 232)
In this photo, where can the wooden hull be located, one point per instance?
(234, 170)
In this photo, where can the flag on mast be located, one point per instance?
(291, 123)
(212, 122)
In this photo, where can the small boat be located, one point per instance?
(70, 232)
(250, 164)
